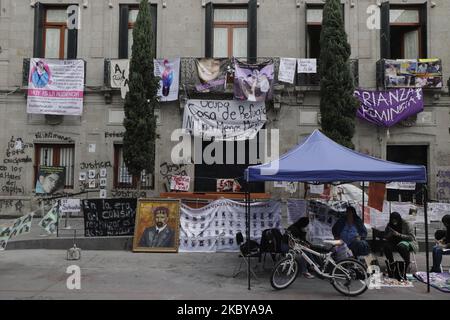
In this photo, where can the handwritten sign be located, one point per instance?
(109, 217)
(180, 183)
(70, 205)
(224, 119)
(286, 72)
(306, 65)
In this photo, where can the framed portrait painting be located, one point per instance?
(157, 225)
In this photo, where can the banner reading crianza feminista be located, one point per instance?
(56, 87)
(224, 119)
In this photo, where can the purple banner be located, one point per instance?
(386, 108)
(253, 82)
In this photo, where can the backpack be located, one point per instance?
(271, 240)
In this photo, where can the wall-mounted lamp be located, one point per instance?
(352, 4)
(110, 4)
(85, 3)
(32, 3)
(203, 3)
(433, 4)
(164, 4)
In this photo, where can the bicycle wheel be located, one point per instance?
(352, 279)
(284, 273)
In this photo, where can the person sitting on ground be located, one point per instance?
(442, 243)
(352, 231)
(399, 237)
(299, 231)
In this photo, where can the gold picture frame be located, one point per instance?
(157, 226)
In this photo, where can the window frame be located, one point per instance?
(125, 25)
(134, 182)
(252, 34)
(56, 158)
(413, 26)
(230, 26)
(61, 26)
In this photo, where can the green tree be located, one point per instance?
(337, 104)
(141, 100)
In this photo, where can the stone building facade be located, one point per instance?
(185, 28)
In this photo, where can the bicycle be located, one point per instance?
(342, 274)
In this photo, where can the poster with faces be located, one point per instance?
(91, 174)
(220, 221)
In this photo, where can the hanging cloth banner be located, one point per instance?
(50, 220)
(213, 228)
(119, 72)
(253, 82)
(56, 87)
(169, 72)
(224, 119)
(386, 108)
(20, 226)
(211, 74)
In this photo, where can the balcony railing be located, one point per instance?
(313, 79)
(411, 73)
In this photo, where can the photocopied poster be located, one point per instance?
(306, 65)
(20, 226)
(169, 72)
(119, 73)
(56, 87)
(253, 82)
(213, 228)
(212, 74)
(224, 119)
(50, 220)
(50, 180)
(286, 73)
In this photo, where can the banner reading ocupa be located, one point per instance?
(55, 87)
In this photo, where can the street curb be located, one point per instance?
(104, 243)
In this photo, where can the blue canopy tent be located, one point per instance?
(318, 159)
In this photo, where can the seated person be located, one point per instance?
(443, 242)
(352, 231)
(299, 230)
(399, 237)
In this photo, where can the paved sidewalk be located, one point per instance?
(41, 274)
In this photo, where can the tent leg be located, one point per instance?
(425, 210)
(363, 208)
(247, 230)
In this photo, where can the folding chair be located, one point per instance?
(246, 254)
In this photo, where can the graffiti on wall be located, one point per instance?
(443, 183)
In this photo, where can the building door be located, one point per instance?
(411, 154)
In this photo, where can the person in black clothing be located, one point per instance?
(400, 238)
(299, 231)
(442, 243)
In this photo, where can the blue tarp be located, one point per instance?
(320, 159)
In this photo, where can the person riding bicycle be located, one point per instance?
(352, 231)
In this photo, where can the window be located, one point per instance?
(56, 155)
(408, 154)
(231, 30)
(55, 33)
(122, 178)
(314, 16)
(128, 16)
(52, 38)
(313, 29)
(403, 31)
(206, 174)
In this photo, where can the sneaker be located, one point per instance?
(308, 275)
